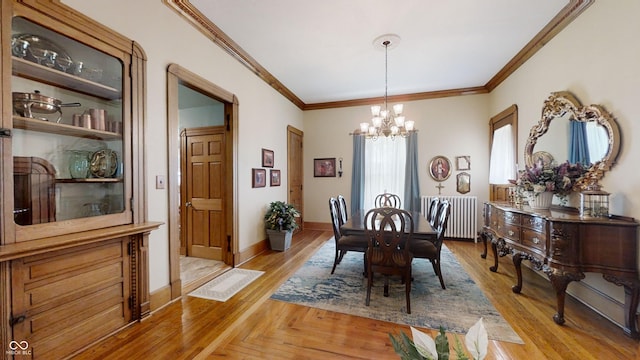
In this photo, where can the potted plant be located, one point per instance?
(280, 221)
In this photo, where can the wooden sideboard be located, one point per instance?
(565, 246)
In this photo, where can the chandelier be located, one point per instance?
(385, 122)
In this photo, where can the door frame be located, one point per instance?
(177, 75)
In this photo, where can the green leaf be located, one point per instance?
(442, 345)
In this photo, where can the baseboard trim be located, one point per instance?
(160, 298)
(250, 252)
(308, 225)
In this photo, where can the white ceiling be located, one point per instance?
(323, 51)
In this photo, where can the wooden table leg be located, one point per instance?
(517, 262)
(494, 248)
(560, 280)
(484, 243)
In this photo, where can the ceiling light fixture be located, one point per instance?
(384, 122)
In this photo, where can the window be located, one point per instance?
(503, 130)
(385, 168)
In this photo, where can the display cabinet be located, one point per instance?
(73, 251)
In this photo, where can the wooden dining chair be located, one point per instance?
(342, 208)
(432, 212)
(389, 232)
(344, 243)
(388, 200)
(430, 249)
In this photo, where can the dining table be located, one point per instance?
(422, 229)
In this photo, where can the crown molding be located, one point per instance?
(185, 9)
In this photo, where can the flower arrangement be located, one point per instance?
(423, 347)
(281, 216)
(559, 179)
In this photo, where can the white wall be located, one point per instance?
(453, 126)
(263, 116)
(597, 58)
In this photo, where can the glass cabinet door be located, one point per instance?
(68, 126)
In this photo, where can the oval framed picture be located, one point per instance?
(440, 168)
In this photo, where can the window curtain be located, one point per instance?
(578, 146)
(357, 179)
(502, 165)
(411, 178)
(385, 167)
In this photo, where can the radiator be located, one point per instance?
(463, 220)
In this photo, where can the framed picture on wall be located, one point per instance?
(275, 177)
(440, 168)
(463, 162)
(325, 167)
(463, 183)
(267, 158)
(258, 178)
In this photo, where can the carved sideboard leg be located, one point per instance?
(631, 299)
(517, 261)
(560, 280)
(484, 243)
(494, 248)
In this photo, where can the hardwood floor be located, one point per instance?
(251, 326)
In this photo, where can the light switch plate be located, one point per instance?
(159, 182)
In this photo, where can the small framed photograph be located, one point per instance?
(463, 162)
(267, 158)
(324, 167)
(275, 178)
(259, 178)
(440, 168)
(463, 183)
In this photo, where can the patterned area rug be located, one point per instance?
(223, 287)
(456, 309)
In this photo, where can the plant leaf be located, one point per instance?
(477, 340)
(424, 344)
(442, 345)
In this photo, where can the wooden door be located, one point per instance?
(204, 189)
(295, 174)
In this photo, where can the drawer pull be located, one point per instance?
(535, 240)
(511, 233)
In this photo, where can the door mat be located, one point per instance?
(223, 287)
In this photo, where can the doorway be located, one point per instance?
(202, 133)
(294, 170)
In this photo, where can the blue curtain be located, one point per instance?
(357, 180)
(578, 146)
(411, 178)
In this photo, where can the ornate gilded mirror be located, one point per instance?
(594, 139)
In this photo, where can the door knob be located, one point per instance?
(188, 204)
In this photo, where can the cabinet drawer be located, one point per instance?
(511, 218)
(534, 223)
(535, 240)
(508, 231)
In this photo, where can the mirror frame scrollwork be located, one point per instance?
(559, 104)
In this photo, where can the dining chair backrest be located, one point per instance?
(342, 208)
(335, 217)
(432, 212)
(389, 228)
(444, 210)
(388, 200)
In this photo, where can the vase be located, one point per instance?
(280, 240)
(540, 201)
(79, 164)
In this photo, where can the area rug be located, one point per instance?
(223, 287)
(456, 309)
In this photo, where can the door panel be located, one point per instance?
(204, 180)
(295, 173)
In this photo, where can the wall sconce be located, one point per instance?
(340, 167)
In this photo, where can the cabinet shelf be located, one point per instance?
(62, 129)
(29, 69)
(89, 180)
